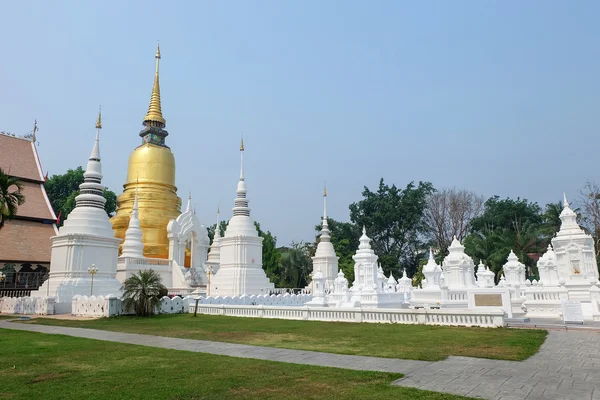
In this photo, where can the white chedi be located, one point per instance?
(214, 255)
(458, 267)
(391, 283)
(132, 245)
(548, 268)
(485, 277)
(575, 255)
(240, 270)
(365, 267)
(514, 271)
(432, 272)
(325, 259)
(85, 243)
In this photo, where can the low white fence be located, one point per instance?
(261, 299)
(27, 305)
(456, 317)
(110, 306)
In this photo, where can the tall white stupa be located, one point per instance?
(240, 270)
(325, 259)
(85, 240)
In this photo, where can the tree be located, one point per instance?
(448, 214)
(505, 225)
(394, 221)
(10, 197)
(296, 265)
(141, 292)
(63, 189)
(344, 238)
(270, 254)
(590, 199)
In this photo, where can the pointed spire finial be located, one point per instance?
(431, 253)
(325, 191)
(155, 110)
(242, 159)
(35, 129)
(99, 120)
(565, 202)
(364, 230)
(189, 203)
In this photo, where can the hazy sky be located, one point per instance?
(499, 97)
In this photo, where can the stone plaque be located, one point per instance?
(488, 300)
(572, 311)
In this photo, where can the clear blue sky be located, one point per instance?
(499, 97)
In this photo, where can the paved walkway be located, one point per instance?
(567, 366)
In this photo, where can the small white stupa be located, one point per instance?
(240, 270)
(458, 268)
(432, 272)
(132, 245)
(85, 240)
(325, 259)
(214, 255)
(514, 271)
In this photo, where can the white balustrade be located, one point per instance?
(454, 317)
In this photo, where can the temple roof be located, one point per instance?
(19, 158)
(26, 241)
(35, 205)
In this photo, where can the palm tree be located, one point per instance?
(10, 197)
(142, 292)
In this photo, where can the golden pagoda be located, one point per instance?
(152, 170)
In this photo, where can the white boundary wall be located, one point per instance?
(27, 305)
(455, 317)
(110, 306)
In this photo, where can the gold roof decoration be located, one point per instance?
(154, 110)
(99, 120)
(242, 145)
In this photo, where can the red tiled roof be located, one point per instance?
(26, 241)
(19, 158)
(35, 205)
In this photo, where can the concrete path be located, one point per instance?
(567, 366)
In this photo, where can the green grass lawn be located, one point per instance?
(41, 366)
(417, 342)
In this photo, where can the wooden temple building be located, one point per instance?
(25, 244)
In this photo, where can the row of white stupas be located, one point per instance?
(567, 270)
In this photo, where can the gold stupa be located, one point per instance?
(152, 170)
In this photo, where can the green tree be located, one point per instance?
(141, 292)
(63, 189)
(10, 197)
(394, 219)
(505, 225)
(270, 254)
(296, 265)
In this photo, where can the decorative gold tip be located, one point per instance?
(242, 145)
(99, 120)
(154, 110)
(325, 191)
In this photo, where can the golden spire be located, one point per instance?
(99, 120)
(155, 111)
(242, 144)
(324, 191)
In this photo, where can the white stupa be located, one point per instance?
(432, 272)
(458, 267)
(325, 259)
(240, 270)
(574, 249)
(86, 239)
(132, 245)
(214, 256)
